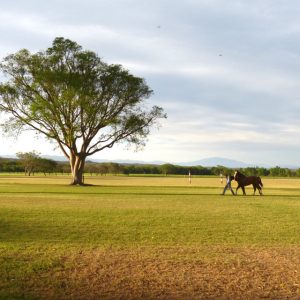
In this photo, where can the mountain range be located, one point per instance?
(206, 162)
(217, 161)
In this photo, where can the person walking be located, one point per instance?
(229, 178)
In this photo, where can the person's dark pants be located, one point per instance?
(228, 186)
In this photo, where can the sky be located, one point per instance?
(226, 72)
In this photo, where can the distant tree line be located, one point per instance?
(169, 169)
(31, 163)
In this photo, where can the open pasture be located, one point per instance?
(147, 238)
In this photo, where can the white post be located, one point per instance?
(190, 177)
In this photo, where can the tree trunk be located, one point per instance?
(77, 168)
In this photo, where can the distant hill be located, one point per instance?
(127, 161)
(120, 161)
(217, 161)
(206, 162)
(55, 157)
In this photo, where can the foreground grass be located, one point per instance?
(132, 238)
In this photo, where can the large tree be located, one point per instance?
(75, 99)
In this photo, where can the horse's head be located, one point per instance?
(236, 174)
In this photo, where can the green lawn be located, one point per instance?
(64, 242)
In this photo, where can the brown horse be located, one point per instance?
(243, 180)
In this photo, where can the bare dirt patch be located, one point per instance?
(173, 273)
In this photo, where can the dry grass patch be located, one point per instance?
(173, 273)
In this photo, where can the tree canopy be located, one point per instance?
(75, 99)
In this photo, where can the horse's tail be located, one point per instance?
(260, 182)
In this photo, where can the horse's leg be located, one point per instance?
(237, 189)
(254, 187)
(260, 190)
(243, 188)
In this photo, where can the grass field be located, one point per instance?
(147, 238)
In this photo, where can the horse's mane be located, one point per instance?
(239, 174)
